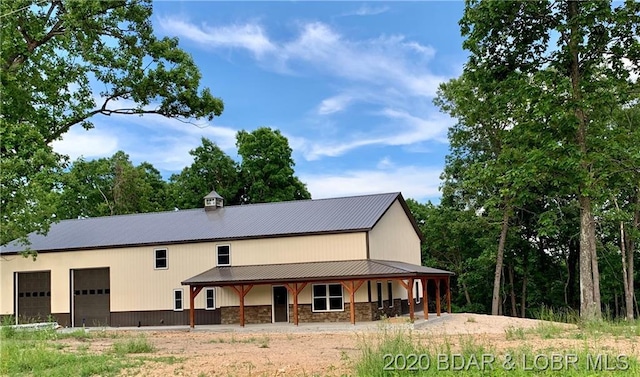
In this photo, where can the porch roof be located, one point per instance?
(312, 272)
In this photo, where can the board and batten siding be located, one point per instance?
(135, 285)
(312, 248)
(394, 238)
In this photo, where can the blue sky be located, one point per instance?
(350, 84)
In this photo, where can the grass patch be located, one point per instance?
(44, 352)
(136, 345)
(400, 352)
(515, 333)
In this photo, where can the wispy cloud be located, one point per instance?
(366, 10)
(420, 183)
(247, 36)
(407, 130)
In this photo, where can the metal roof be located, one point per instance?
(346, 214)
(311, 271)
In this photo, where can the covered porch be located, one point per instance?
(351, 275)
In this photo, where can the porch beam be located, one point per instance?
(193, 292)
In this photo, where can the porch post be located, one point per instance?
(425, 297)
(241, 293)
(193, 292)
(295, 290)
(438, 296)
(409, 287)
(449, 294)
(352, 287)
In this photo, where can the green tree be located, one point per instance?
(211, 169)
(65, 61)
(266, 169)
(577, 57)
(111, 186)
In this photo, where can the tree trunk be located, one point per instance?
(512, 291)
(466, 293)
(572, 269)
(589, 302)
(495, 304)
(523, 297)
(628, 296)
(589, 275)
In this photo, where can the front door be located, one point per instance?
(280, 304)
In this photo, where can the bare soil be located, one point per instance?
(314, 352)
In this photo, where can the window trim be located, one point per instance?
(206, 299)
(380, 298)
(175, 300)
(390, 292)
(327, 299)
(218, 255)
(166, 258)
(417, 293)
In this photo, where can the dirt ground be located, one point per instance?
(317, 352)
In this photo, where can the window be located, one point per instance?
(379, 289)
(161, 262)
(327, 298)
(210, 298)
(390, 292)
(224, 255)
(417, 295)
(177, 300)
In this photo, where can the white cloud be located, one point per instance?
(335, 104)
(366, 10)
(402, 129)
(247, 36)
(420, 183)
(79, 142)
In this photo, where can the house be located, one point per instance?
(340, 259)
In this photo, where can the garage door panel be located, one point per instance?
(91, 297)
(34, 296)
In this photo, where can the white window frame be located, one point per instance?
(417, 295)
(206, 298)
(390, 292)
(166, 258)
(175, 300)
(379, 298)
(210, 202)
(328, 298)
(218, 255)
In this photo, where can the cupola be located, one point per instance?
(213, 201)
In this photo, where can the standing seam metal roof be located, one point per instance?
(356, 213)
(310, 271)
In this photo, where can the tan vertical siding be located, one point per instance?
(136, 285)
(314, 248)
(394, 238)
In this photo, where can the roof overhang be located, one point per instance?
(363, 269)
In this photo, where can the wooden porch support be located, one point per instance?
(409, 287)
(449, 294)
(438, 297)
(352, 286)
(242, 291)
(295, 290)
(193, 292)
(425, 297)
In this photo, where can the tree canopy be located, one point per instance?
(64, 62)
